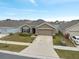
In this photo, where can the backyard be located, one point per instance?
(65, 54)
(19, 37)
(11, 47)
(59, 39)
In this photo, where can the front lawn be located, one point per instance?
(65, 54)
(18, 37)
(11, 47)
(59, 39)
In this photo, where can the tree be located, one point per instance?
(40, 20)
(67, 35)
(8, 19)
(56, 21)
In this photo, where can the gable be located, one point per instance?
(45, 26)
(25, 26)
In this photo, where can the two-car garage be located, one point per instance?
(45, 32)
(45, 29)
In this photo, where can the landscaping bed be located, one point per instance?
(59, 39)
(65, 54)
(19, 37)
(11, 47)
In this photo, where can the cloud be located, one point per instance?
(56, 1)
(27, 1)
(12, 12)
(9, 9)
(33, 2)
(63, 18)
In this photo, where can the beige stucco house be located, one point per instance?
(35, 27)
(41, 29)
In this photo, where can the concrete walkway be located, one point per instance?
(42, 47)
(66, 48)
(12, 42)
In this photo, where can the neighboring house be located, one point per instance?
(38, 27)
(71, 27)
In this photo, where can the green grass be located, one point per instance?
(18, 38)
(57, 40)
(68, 54)
(11, 47)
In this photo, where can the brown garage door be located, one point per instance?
(44, 32)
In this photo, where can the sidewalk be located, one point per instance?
(66, 48)
(12, 42)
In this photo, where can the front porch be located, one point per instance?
(28, 30)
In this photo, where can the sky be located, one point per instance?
(49, 10)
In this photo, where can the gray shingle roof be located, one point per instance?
(65, 25)
(35, 23)
(17, 23)
(13, 23)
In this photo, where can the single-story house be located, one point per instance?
(71, 28)
(35, 27)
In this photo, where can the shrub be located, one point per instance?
(10, 33)
(35, 34)
(24, 34)
(54, 36)
(63, 43)
(66, 36)
(60, 33)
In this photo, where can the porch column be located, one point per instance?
(30, 30)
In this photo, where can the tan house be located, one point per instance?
(38, 27)
(41, 29)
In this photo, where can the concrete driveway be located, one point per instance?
(42, 47)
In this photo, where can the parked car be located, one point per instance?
(75, 39)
